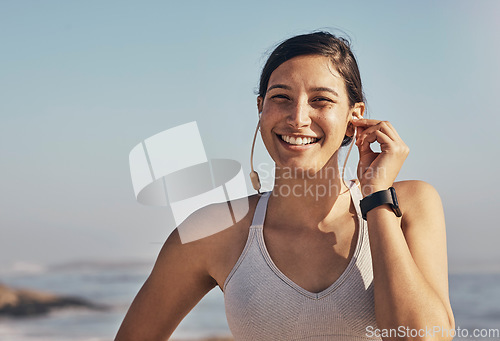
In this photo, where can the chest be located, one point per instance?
(264, 303)
(312, 259)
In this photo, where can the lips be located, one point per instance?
(298, 140)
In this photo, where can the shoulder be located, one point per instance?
(420, 203)
(415, 191)
(213, 223)
(183, 272)
(210, 236)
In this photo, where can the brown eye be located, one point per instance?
(280, 96)
(322, 99)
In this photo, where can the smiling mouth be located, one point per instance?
(298, 141)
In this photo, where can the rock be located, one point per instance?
(23, 302)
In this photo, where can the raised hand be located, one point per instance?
(377, 171)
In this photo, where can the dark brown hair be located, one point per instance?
(321, 43)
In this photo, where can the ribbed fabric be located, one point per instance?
(263, 304)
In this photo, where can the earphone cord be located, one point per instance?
(345, 161)
(254, 177)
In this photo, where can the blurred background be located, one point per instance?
(81, 83)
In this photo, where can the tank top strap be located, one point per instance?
(260, 212)
(356, 196)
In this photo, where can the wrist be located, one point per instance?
(385, 197)
(368, 189)
(379, 211)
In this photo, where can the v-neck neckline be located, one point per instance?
(343, 275)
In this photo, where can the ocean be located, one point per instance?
(475, 301)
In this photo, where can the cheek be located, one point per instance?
(332, 124)
(335, 130)
(265, 129)
(268, 121)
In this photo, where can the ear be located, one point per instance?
(260, 103)
(356, 111)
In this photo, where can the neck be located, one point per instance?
(305, 200)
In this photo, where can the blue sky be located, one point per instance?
(82, 83)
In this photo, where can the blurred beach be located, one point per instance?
(475, 300)
(83, 82)
(110, 284)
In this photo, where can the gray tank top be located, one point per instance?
(264, 304)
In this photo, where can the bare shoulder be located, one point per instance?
(415, 190)
(195, 258)
(211, 238)
(419, 201)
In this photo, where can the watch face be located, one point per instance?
(394, 197)
(395, 203)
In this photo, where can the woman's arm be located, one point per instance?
(409, 255)
(177, 283)
(410, 264)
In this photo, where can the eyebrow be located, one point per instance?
(279, 86)
(317, 89)
(325, 89)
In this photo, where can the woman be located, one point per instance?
(304, 263)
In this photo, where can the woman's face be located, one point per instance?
(305, 114)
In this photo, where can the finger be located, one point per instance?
(382, 127)
(376, 135)
(390, 126)
(387, 145)
(366, 157)
(386, 126)
(364, 122)
(359, 131)
(364, 144)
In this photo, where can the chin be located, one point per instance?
(299, 169)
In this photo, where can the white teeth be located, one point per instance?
(298, 141)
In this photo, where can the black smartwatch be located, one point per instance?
(379, 198)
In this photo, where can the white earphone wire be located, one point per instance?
(254, 176)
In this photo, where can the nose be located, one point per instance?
(299, 115)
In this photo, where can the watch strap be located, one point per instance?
(379, 198)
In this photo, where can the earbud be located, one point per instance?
(254, 176)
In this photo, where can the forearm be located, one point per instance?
(403, 297)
